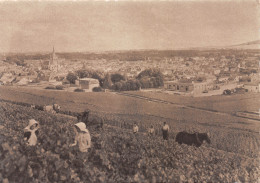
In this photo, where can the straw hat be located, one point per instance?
(82, 127)
(31, 123)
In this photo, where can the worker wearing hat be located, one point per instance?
(31, 132)
(82, 137)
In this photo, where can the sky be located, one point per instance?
(107, 26)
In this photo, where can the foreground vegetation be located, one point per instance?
(116, 155)
(229, 133)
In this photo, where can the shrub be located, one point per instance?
(97, 89)
(227, 92)
(50, 87)
(240, 90)
(78, 90)
(59, 87)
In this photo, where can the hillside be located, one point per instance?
(116, 155)
(239, 135)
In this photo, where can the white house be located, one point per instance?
(87, 83)
(252, 87)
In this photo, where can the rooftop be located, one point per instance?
(252, 84)
(87, 79)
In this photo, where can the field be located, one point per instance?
(235, 141)
(227, 104)
(116, 155)
(229, 133)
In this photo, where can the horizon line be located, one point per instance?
(154, 49)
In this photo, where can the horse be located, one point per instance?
(83, 117)
(90, 120)
(195, 139)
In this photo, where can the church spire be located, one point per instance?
(53, 54)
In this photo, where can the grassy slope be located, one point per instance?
(229, 104)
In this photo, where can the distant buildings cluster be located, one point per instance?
(181, 74)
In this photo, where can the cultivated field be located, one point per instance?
(228, 133)
(116, 155)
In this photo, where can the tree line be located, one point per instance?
(149, 78)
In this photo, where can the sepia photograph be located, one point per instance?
(120, 91)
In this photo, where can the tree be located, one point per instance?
(117, 77)
(82, 73)
(150, 78)
(150, 73)
(91, 74)
(107, 82)
(71, 77)
(118, 86)
(145, 82)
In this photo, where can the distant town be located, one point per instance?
(183, 72)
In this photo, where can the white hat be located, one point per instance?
(82, 127)
(31, 123)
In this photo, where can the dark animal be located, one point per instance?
(83, 117)
(90, 120)
(195, 139)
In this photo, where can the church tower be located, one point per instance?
(53, 55)
(54, 62)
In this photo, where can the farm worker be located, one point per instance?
(135, 128)
(31, 132)
(165, 131)
(151, 130)
(82, 137)
(102, 122)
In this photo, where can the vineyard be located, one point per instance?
(135, 106)
(117, 155)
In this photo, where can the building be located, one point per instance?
(33, 64)
(252, 87)
(200, 87)
(55, 66)
(87, 83)
(176, 86)
(195, 87)
(54, 63)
